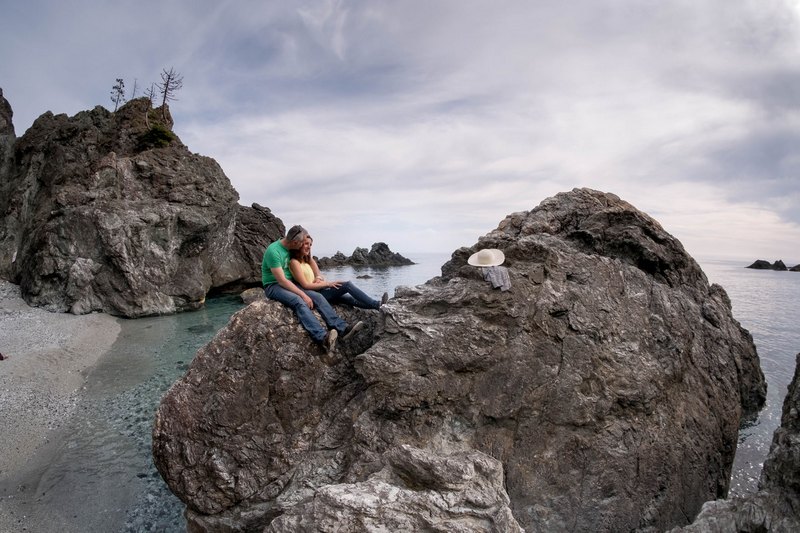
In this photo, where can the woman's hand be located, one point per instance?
(334, 284)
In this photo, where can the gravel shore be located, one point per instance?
(46, 357)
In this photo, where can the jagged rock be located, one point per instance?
(378, 256)
(609, 383)
(776, 505)
(111, 212)
(417, 491)
(760, 264)
(7, 140)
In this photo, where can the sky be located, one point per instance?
(423, 123)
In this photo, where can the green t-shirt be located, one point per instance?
(276, 256)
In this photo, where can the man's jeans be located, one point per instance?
(307, 318)
(349, 294)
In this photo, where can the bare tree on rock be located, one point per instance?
(171, 82)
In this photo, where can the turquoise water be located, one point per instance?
(98, 475)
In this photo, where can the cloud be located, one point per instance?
(423, 124)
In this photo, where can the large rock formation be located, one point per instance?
(111, 212)
(776, 505)
(608, 383)
(378, 256)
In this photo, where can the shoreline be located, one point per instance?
(48, 358)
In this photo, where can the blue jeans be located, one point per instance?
(308, 320)
(349, 294)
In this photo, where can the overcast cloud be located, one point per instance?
(424, 123)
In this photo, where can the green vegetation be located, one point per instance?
(158, 136)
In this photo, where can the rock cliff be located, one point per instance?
(111, 212)
(606, 388)
(378, 256)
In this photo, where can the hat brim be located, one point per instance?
(497, 259)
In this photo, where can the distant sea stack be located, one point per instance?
(110, 212)
(778, 265)
(378, 256)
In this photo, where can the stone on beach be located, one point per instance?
(606, 387)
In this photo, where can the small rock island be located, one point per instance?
(778, 265)
(378, 256)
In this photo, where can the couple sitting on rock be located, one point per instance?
(291, 276)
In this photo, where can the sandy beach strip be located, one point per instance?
(48, 358)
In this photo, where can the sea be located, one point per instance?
(98, 476)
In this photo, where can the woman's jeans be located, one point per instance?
(307, 318)
(349, 294)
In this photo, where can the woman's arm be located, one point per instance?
(299, 276)
(317, 274)
(318, 277)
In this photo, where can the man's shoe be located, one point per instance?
(352, 329)
(329, 342)
(384, 298)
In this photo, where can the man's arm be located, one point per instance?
(280, 278)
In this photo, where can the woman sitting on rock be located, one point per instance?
(306, 273)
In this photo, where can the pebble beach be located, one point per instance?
(46, 358)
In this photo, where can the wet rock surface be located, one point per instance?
(608, 384)
(378, 256)
(111, 212)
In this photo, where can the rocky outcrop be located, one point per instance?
(760, 264)
(7, 140)
(378, 256)
(776, 505)
(609, 384)
(111, 212)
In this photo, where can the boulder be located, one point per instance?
(795, 268)
(111, 212)
(776, 505)
(378, 256)
(251, 295)
(609, 384)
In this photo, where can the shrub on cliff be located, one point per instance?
(158, 136)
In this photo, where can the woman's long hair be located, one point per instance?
(299, 255)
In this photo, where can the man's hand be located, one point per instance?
(309, 302)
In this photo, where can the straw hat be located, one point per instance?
(488, 257)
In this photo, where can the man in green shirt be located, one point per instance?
(279, 286)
